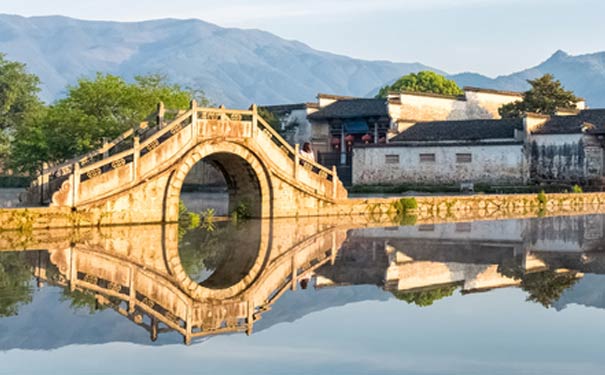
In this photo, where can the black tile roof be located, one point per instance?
(462, 130)
(593, 120)
(352, 108)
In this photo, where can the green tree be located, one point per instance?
(424, 81)
(547, 287)
(84, 300)
(545, 96)
(15, 278)
(543, 287)
(18, 100)
(426, 297)
(270, 117)
(94, 109)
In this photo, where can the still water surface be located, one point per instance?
(505, 297)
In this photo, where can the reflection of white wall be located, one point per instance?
(423, 274)
(568, 233)
(505, 230)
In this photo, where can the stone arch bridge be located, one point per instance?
(137, 177)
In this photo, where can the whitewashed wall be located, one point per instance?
(423, 107)
(490, 164)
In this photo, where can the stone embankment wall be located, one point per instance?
(360, 212)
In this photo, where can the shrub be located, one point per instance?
(404, 205)
(408, 220)
(542, 199)
(577, 189)
(241, 211)
(208, 222)
(194, 220)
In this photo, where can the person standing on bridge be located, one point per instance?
(307, 151)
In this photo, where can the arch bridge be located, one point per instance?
(137, 178)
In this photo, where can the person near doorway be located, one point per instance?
(307, 152)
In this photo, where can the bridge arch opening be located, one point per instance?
(244, 178)
(224, 182)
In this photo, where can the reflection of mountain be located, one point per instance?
(48, 324)
(295, 305)
(590, 291)
(145, 282)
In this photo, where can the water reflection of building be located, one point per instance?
(144, 282)
(473, 256)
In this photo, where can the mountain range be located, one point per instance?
(237, 67)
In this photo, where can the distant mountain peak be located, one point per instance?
(559, 54)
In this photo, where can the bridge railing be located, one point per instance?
(293, 154)
(51, 177)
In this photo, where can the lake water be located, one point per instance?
(307, 296)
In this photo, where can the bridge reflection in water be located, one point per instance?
(225, 280)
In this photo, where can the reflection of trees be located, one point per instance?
(544, 287)
(15, 283)
(201, 250)
(425, 297)
(547, 287)
(82, 300)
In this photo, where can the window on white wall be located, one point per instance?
(391, 159)
(464, 158)
(463, 227)
(427, 158)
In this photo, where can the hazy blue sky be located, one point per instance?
(486, 36)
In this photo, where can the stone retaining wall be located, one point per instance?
(431, 209)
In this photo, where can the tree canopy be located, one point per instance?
(424, 81)
(426, 297)
(93, 109)
(15, 288)
(545, 96)
(18, 99)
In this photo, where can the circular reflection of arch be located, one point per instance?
(246, 179)
(220, 258)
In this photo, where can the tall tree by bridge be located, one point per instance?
(93, 109)
(18, 100)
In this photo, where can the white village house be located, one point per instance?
(437, 139)
(536, 148)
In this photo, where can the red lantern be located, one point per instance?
(382, 140)
(349, 138)
(367, 138)
(335, 141)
